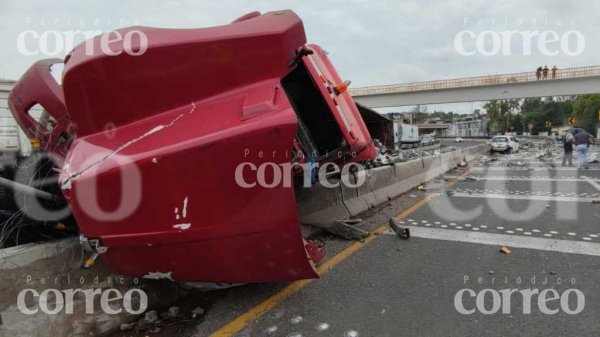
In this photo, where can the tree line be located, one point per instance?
(516, 115)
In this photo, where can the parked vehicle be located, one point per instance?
(504, 144)
(10, 142)
(406, 135)
(459, 140)
(427, 140)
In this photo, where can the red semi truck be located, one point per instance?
(152, 144)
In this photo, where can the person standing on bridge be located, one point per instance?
(545, 72)
(582, 140)
(568, 147)
(554, 69)
(538, 72)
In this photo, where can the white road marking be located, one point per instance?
(592, 182)
(522, 197)
(513, 241)
(531, 179)
(502, 169)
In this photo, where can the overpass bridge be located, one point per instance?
(568, 81)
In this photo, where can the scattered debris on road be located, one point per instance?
(402, 232)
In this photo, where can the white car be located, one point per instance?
(459, 140)
(506, 144)
(427, 140)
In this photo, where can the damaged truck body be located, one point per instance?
(152, 144)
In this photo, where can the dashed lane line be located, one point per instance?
(522, 197)
(513, 241)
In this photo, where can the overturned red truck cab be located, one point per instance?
(163, 150)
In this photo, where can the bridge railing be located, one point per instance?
(475, 81)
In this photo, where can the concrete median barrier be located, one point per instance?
(473, 152)
(321, 205)
(383, 184)
(432, 167)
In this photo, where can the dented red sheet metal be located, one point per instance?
(158, 148)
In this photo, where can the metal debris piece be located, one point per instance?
(402, 232)
(361, 232)
(355, 220)
(89, 263)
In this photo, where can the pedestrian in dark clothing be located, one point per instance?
(568, 147)
(582, 140)
(538, 72)
(554, 69)
(545, 72)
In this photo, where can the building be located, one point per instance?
(470, 126)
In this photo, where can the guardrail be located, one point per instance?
(530, 76)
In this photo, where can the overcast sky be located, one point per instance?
(370, 42)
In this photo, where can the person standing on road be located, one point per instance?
(554, 69)
(582, 140)
(538, 72)
(568, 147)
(545, 72)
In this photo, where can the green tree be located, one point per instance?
(585, 109)
(501, 114)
